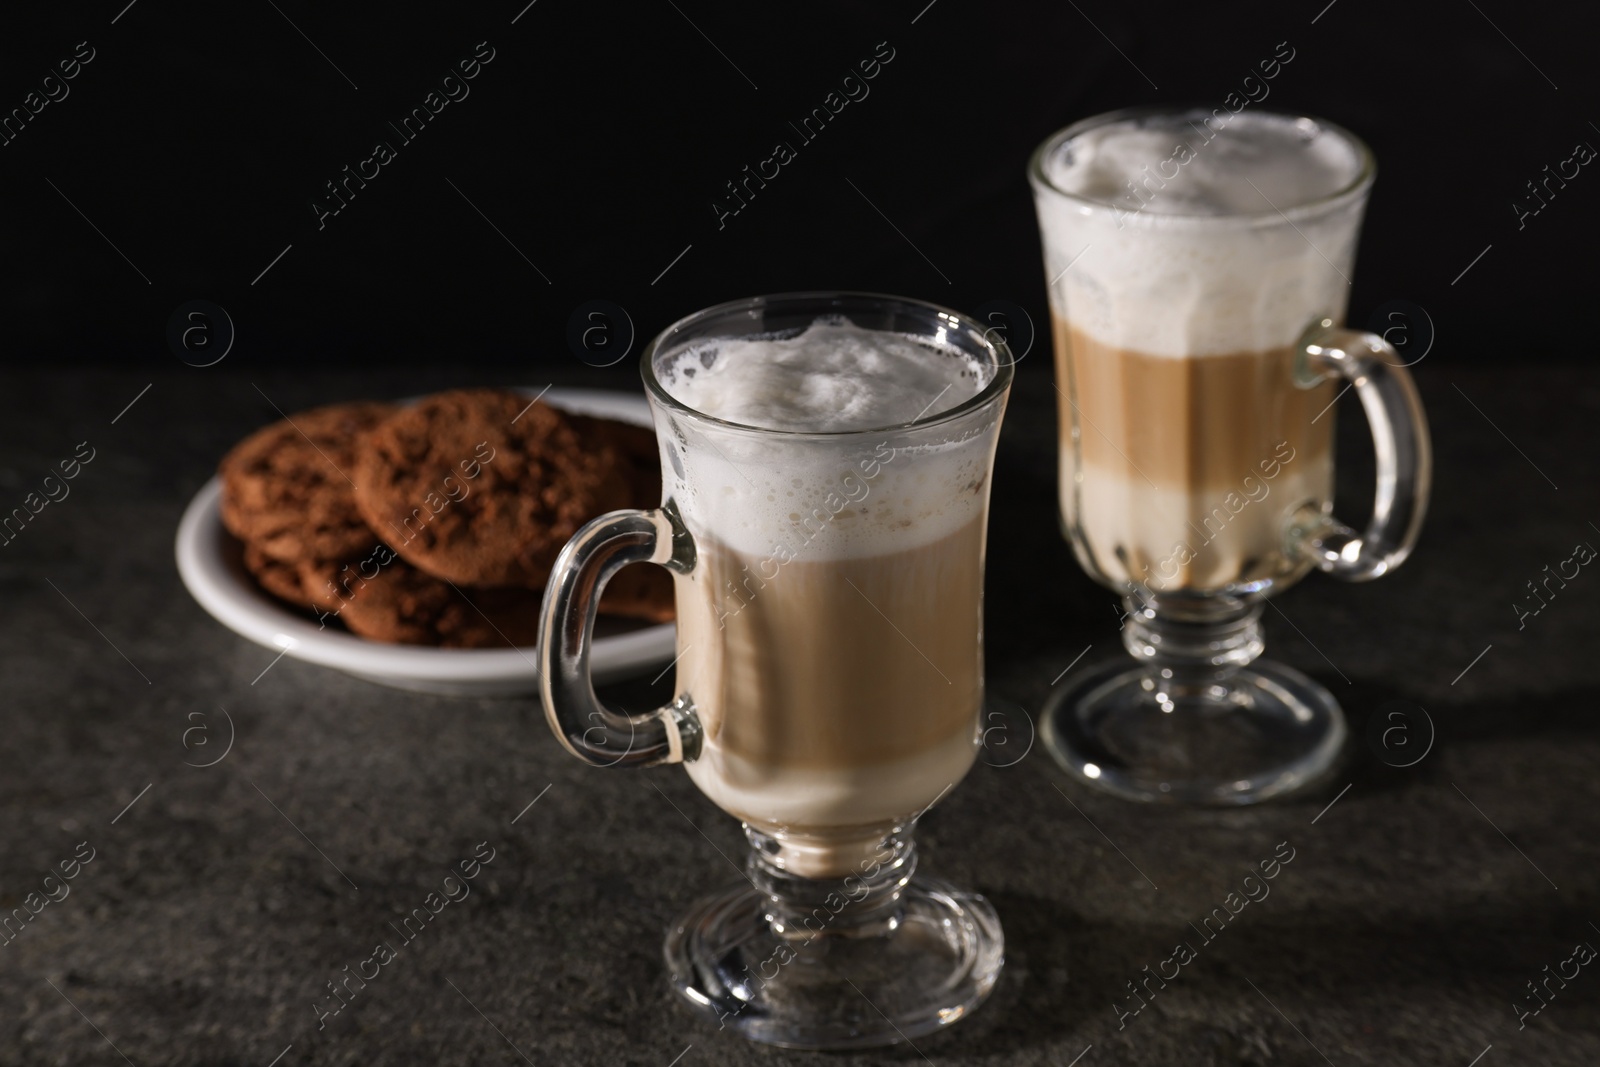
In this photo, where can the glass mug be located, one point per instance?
(1197, 318)
(829, 680)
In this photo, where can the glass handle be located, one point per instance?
(585, 726)
(1405, 458)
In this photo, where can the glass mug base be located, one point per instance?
(819, 964)
(1250, 734)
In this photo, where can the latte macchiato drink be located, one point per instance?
(1188, 434)
(830, 634)
(826, 460)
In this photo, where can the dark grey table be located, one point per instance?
(221, 901)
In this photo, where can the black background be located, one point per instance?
(597, 138)
(1427, 896)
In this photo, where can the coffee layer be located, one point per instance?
(1195, 424)
(837, 696)
(1182, 473)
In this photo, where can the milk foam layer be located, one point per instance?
(853, 494)
(1182, 257)
(1254, 163)
(833, 377)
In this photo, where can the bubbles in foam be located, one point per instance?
(854, 494)
(1179, 165)
(834, 376)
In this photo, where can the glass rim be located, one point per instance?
(1356, 187)
(996, 386)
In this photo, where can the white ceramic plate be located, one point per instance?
(211, 565)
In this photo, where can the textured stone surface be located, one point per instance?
(207, 925)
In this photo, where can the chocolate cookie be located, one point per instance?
(280, 579)
(482, 488)
(640, 591)
(328, 584)
(637, 447)
(286, 488)
(384, 598)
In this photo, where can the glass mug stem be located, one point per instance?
(1223, 634)
(868, 902)
(585, 726)
(1371, 366)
